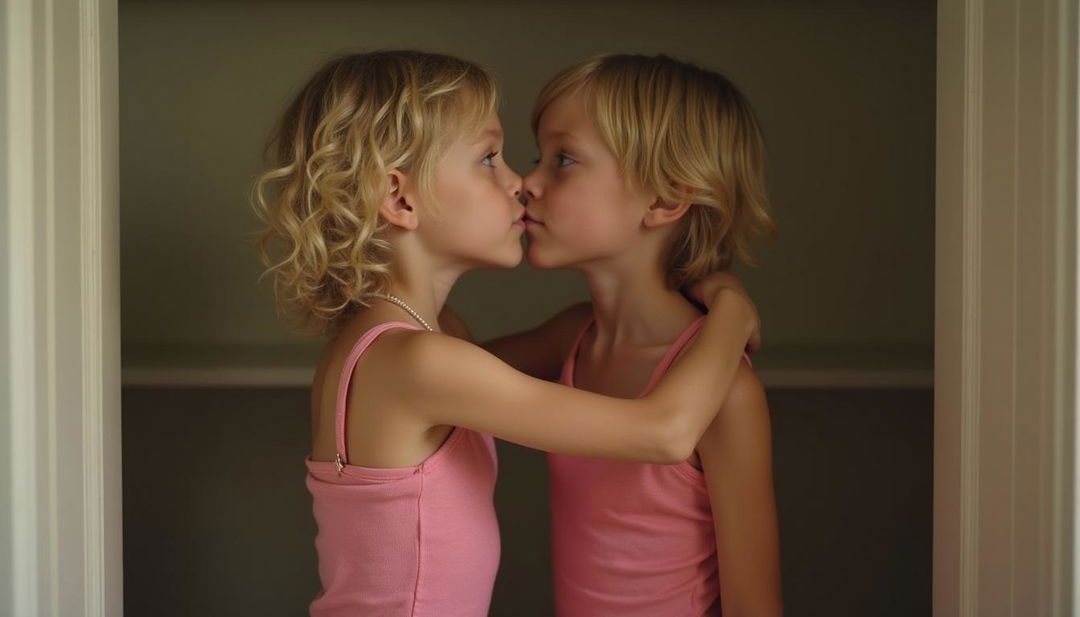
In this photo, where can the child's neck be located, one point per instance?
(636, 309)
(423, 286)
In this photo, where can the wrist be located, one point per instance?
(736, 308)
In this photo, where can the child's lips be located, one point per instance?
(531, 221)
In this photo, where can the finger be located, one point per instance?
(754, 343)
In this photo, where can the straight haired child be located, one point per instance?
(650, 179)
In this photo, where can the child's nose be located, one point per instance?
(514, 184)
(531, 185)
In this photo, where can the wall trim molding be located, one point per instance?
(1005, 466)
(62, 319)
(971, 319)
(99, 257)
(300, 377)
(23, 327)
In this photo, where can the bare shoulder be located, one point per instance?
(375, 379)
(413, 351)
(428, 359)
(742, 420)
(747, 394)
(386, 366)
(445, 380)
(390, 369)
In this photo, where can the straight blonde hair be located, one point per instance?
(360, 116)
(687, 134)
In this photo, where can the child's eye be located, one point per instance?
(562, 160)
(489, 158)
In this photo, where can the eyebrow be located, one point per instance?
(553, 135)
(490, 134)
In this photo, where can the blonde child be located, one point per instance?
(387, 186)
(650, 178)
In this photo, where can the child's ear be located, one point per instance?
(396, 208)
(662, 212)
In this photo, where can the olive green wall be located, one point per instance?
(845, 92)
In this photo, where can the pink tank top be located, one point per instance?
(417, 541)
(631, 539)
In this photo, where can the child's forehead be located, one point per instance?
(566, 115)
(488, 133)
(565, 128)
(557, 135)
(489, 130)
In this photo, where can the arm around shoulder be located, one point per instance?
(454, 383)
(450, 323)
(541, 351)
(700, 380)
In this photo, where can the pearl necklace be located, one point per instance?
(408, 309)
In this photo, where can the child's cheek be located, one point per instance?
(592, 235)
(571, 214)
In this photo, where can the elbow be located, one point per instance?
(673, 456)
(680, 453)
(676, 444)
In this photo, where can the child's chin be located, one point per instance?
(511, 264)
(512, 260)
(538, 260)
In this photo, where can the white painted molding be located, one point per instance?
(22, 330)
(62, 294)
(100, 290)
(1006, 308)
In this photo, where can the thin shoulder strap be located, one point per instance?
(341, 459)
(673, 352)
(676, 348)
(571, 358)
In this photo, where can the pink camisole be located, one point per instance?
(418, 541)
(631, 539)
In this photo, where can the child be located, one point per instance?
(388, 186)
(650, 178)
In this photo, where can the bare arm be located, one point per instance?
(736, 456)
(455, 383)
(540, 352)
(705, 289)
(450, 323)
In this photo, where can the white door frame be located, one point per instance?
(1006, 309)
(62, 520)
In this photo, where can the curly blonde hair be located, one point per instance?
(360, 116)
(687, 134)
